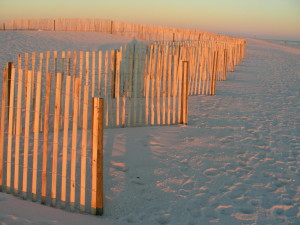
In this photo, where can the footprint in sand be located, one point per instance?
(228, 139)
(246, 210)
(212, 172)
(132, 219)
(138, 181)
(2, 197)
(119, 166)
(163, 219)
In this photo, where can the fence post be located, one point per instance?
(97, 156)
(2, 124)
(184, 93)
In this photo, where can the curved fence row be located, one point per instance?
(139, 31)
(54, 106)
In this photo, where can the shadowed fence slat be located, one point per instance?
(11, 92)
(36, 136)
(2, 121)
(55, 138)
(26, 134)
(65, 144)
(74, 143)
(18, 131)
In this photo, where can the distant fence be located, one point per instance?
(51, 120)
(139, 31)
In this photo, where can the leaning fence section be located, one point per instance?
(135, 92)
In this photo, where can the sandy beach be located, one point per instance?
(236, 162)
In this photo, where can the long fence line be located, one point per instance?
(139, 31)
(52, 112)
(138, 78)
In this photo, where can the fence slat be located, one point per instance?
(83, 148)
(164, 84)
(33, 57)
(117, 88)
(141, 78)
(169, 72)
(56, 128)
(18, 131)
(179, 98)
(2, 125)
(36, 135)
(105, 88)
(10, 127)
(93, 73)
(74, 72)
(26, 134)
(74, 143)
(175, 86)
(63, 74)
(112, 78)
(185, 89)
(147, 84)
(46, 138)
(87, 68)
(131, 56)
(99, 72)
(136, 64)
(65, 143)
(152, 76)
(158, 84)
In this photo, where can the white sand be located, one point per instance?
(237, 162)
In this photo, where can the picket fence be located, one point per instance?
(61, 166)
(55, 105)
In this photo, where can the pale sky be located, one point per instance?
(275, 19)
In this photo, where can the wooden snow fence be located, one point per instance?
(55, 105)
(139, 31)
(62, 165)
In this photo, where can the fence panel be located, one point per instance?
(25, 174)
